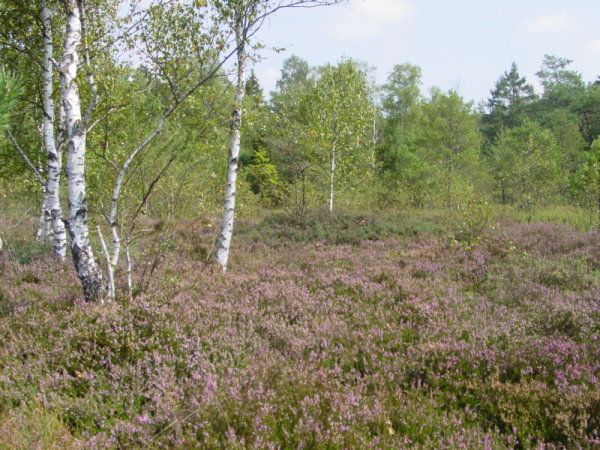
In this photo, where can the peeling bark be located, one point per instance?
(77, 224)
(53, 215)
(43, 232)
(224, 241)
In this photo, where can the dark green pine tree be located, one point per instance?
(254, 91)
(255, 118)
(507, 104)
(556, 74)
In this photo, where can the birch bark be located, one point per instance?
(52, 207)
(77, 225)
(43, 230)
(129, 271)
(224, 241)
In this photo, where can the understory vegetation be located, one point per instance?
(347, 261)
(379, 332)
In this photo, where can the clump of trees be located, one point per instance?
(182, 46)
(116, 119)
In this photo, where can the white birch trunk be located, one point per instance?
(112, 257)
(116, 252)
(374, 140)
(110, 268)
(52, 208)
(224, 241)
(83, 256)
(332, 176)
(43, 232)
(129, 271)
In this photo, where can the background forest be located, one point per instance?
(408, 269)
(395, 146)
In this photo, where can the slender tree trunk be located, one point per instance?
(332, 176)
(374, 142)
(110, 269)
(52, 210)
(224, 241)
(83, 256)
(43, 230)
(129, 270)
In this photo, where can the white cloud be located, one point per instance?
(551, 23)
(370, 18)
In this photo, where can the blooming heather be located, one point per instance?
(395, 343)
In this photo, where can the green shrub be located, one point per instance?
(471, 222)
(337, 228)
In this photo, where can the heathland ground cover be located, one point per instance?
(376, 334)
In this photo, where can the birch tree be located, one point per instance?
(447, 139)
(32, 48)
(184, 47)
(526, 163)
(340, 114)
(52, 210)
(161, 35)
(588, 180)
(83, 256)
(241, 15)
(245, 18)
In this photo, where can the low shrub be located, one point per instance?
(334, 228)
(396, 341)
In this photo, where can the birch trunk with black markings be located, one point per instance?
(77, 224)
(52, 209)
(224, 241)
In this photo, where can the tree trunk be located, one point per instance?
(110, 269)
(44, 227)
(129, 270)
(332, 177)
(83, 256)
(374, 142)
(43, 232)
(224, 241)
(52, 208)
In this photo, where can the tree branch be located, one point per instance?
(38, 176)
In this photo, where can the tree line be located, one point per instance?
(142, 104)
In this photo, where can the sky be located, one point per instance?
(464, 45)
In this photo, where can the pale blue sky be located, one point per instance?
(460, 44)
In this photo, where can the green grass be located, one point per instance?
(580, 218)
